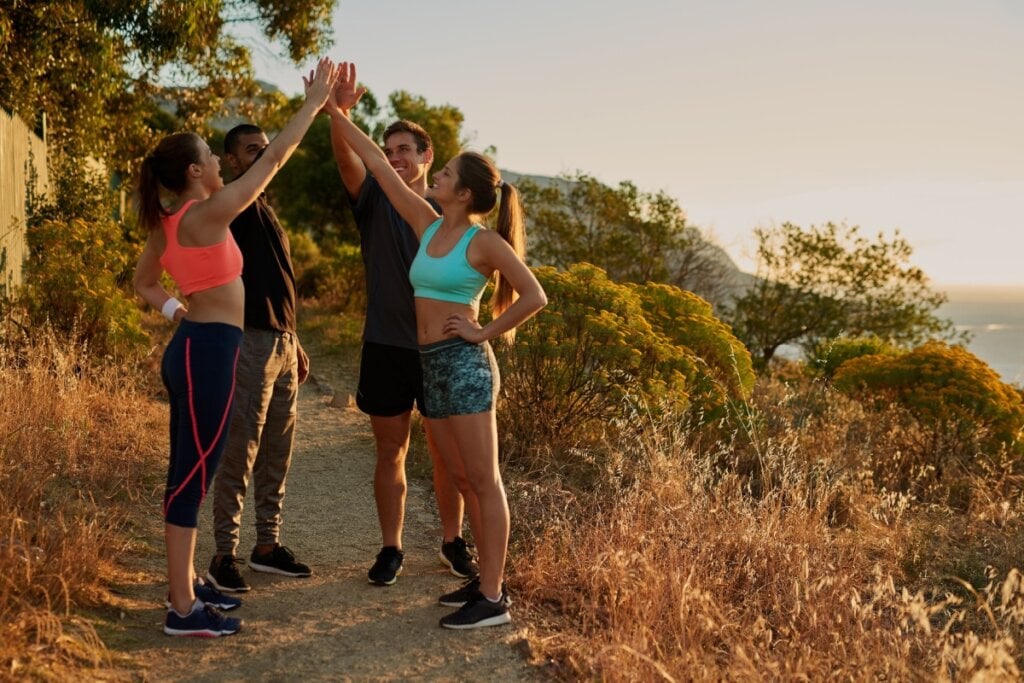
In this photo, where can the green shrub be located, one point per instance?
(724, 369)
(960, 400)
(337, 278)
(77, 275)
(823, 360)
(592, 361)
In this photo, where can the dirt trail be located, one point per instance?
(334, 625)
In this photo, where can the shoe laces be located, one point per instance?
(216, 616)
(281, 550)
(229, 565)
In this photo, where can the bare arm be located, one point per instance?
(344, 97)
(494, 254)
(147, 275)
(416, 211)
(224, 205)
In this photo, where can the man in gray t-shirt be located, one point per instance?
(390, 378)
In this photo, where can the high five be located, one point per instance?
(456, 258)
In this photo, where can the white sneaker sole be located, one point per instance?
(198, 634)
(223, 607)
(496, 620)
(274, 570)
(226, 589)
(385, 583)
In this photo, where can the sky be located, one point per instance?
(896, 115)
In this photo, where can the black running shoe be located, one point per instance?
(280, 560)
(478, 613)
(460, 596)
(468, 592)
(388, 566)
(456, 556)
(224, 575)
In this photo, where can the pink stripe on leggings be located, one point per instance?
(203, 453)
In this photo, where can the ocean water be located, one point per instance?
(995, 318)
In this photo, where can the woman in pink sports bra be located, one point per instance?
(191, 241)
(456, 258)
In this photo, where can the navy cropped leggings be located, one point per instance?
(198, 370)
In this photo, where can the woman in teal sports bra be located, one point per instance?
(456, 259)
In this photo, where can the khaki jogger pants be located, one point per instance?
(260, 438)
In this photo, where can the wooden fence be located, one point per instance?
(22, 153)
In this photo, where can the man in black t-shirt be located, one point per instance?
(390, 377)
(271, 365)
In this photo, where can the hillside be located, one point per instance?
(731, 281)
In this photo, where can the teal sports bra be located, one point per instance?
(448, 277)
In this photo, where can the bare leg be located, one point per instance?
(449, 500)
(181, 546)
(470, 445)
(389, 485)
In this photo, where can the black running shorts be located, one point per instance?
(390, 380)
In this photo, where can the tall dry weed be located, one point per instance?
(75, 448)
(777, 553)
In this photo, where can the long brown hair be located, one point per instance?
(478, 174)
(166, 167)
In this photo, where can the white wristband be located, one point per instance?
(171, 307)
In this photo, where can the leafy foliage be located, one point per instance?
(443, 122)
(99, 70)
(829, 281)
(826, 359)
(593, 358)
(308, 192)
(335, 276)
(959, 398)
(78, 266)
(634, 236)
(725, 371)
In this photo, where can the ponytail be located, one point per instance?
(165, 167)
(510, 227)
(478, 174)
(149, 206)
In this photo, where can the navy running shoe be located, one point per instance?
(204, 621)
(211, 596)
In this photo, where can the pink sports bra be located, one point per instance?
(197, 268)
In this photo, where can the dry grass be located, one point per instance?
(79, 446)
(817, 541)
(776, 555)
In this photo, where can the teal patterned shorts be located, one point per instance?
(459, 378)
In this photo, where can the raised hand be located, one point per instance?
(320, 81)
(347, 92)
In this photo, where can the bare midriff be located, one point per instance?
(431, 315)
(223, 304)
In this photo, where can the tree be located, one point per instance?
(829, 281)
(106, 73)
(634, 236)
